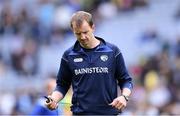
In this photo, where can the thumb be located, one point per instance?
(112, 103)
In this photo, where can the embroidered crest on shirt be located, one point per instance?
(104, 58)
(78, 60)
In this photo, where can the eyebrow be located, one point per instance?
(81, 32)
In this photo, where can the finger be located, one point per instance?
(114, 103)
(111, 103)
(53, 105)
(120, 107)
(117, 105)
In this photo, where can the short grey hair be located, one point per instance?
(81, 16)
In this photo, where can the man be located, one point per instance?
(39, 108)
(94, 68)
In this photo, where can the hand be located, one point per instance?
(119, 103)
(50, 103)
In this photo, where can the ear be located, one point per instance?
(93, 27)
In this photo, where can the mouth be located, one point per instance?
(83, 41)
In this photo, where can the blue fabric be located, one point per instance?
(41, 109)
(94, 76)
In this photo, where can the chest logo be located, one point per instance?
(104, 58)
(78, 60)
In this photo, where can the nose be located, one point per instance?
(83, 36)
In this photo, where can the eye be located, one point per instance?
(78, 34)
(85, 32)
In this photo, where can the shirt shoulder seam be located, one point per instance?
(117, 54)
(65, 59)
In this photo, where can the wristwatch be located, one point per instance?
(126, 97)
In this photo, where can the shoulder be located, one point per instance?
(111, 45)
(67, 52)
(114, 47)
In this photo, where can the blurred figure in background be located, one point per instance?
(40, 108)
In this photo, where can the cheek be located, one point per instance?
(90, 35)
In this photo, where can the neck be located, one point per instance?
(95, 42)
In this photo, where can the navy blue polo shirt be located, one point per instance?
(94, 75)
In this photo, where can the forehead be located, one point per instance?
(82, 27)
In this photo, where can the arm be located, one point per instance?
(54, 98)
(57, 96)
(126, 92)
(124, 81)
(63, 83)
(121, 101)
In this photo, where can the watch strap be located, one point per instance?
(126, 97)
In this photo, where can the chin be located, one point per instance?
(85, 45)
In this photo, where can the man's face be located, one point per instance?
(84, 34)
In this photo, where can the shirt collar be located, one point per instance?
(77, 47)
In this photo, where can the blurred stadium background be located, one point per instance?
(35, 33)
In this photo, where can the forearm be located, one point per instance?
(126, 92)
(121, 101)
